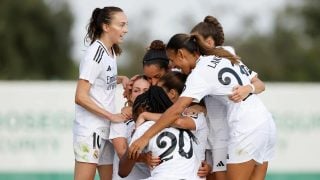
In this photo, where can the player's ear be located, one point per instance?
(210, 41)
(105, 27)
(180, 53)
(173, 94)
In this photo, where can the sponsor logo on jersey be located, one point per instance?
(111, 79)
(111, 82)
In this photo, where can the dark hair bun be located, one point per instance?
(157, 45)
(210, 19)
(156, 51)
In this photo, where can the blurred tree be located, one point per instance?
(35, 40)
(291, 51)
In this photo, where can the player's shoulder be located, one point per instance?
(213, 61)
(229, 49)
(95, 51)
(145, 126)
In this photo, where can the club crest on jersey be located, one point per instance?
(109, 68)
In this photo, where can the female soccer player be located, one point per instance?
(195, 120)
(212, 32)
(213, 72)
(173, 146)
(155, 62)
(95, 94)
(120, 133)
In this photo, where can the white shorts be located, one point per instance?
(258, 145)
(93, 149)
(217, 158)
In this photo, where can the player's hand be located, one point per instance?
(204, 169)
(152, 161)
(118, 118)
(194, 109)
(136, 147)
(239, 93)
(128, 86)
(127, 112)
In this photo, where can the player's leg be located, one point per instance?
(105, 172)
(84, 171)
(241, 163)
(85, 161)
(240, 171)
(105, 167)
(259, 172)
(220, 175)
(210, 176)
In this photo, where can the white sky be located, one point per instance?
(166, 16)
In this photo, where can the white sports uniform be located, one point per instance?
(125, 129)
(218, 128)
(98, 67)
(213, 79)
(201, 133)
(174, 147)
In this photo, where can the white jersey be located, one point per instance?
(217, 117)
(174, 147)
(100, 69)
(125, 129)
(217, 123)
(214, 76)
(201, 133)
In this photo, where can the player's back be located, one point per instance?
(174, 147)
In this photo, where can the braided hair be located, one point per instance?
(155, 100)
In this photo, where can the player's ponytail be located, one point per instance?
(195, 43)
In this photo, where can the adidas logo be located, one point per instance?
(109, 68)
(220, 164)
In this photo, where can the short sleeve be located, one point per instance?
(251, 74)
(196, 87)
(200, 121)
(118, 130)
(89, 69)
(141, 130)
